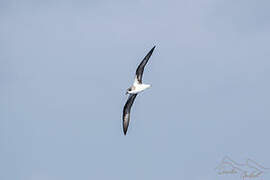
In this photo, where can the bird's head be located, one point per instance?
(128, 90)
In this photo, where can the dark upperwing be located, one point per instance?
(139, 71)
(126, 112)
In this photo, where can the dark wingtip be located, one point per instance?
(125, 130)
(151, 51)
(125, 127)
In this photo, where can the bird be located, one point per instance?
(136, 88)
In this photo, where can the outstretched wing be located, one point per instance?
(139, 71)
(126, 112)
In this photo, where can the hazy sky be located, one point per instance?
(65, 66)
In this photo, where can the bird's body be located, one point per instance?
(136, 88)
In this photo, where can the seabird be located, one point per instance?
(137, 87)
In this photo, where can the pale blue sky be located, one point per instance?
(65, 66)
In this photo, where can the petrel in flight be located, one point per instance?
(137, 87)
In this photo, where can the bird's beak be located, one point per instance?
(126, 92)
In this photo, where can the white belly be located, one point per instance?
(139, 88)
